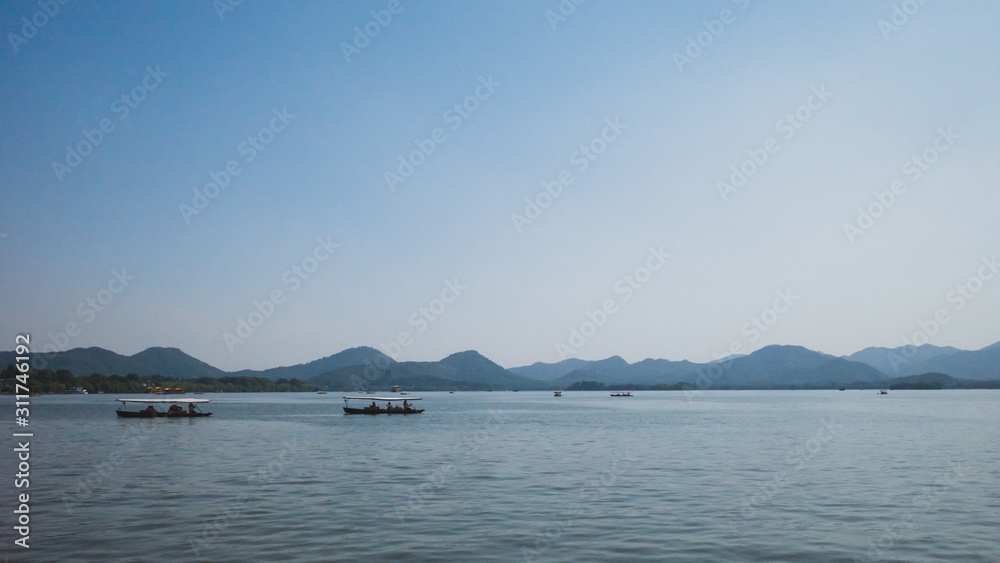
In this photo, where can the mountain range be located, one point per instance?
(367, 368)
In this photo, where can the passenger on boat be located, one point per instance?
(150, 411)
(190, 408)
(406, 406)
(175, 410)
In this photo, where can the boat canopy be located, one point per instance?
(147, 401)
(397, 399)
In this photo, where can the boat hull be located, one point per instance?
(369, 410)
(134, 414)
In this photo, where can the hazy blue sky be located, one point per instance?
(667, 100)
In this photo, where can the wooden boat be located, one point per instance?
(558, 393)
(375, 408)
(175, 410)
(621, 394)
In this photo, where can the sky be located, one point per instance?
(267, 183)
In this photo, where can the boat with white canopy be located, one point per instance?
(403, 407)
(175, 410)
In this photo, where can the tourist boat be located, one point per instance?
(395, 389)
(621, 394)
(175, 410)
(379, 409)
(558, 393)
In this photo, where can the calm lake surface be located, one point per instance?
(503, 476)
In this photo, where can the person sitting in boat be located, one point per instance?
(190, 408)
(175, 410)
(406, 406)
(150, 410)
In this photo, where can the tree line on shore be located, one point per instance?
(59, 381)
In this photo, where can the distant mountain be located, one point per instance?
(890, 360)
(794, 366)
(983, 364)
(173, 363)
(360, 356)
(616, 371)
(769, 367)
(468, 370)
(168, 362)
(547, 372)
(772, 366)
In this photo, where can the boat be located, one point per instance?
(321, 392)
(374, 408)
(883, 392)
(76, 391)
(621, 394)
(395, 389)
(175, 410)
(558, 393)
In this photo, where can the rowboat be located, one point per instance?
(375, 408)
(175, 410)
(621, 394)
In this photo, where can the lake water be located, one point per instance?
(503, 476)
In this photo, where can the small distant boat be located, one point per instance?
(452, 392)
(321, 392)
(395, 389)
(376, 409)
(174, 411)
(621, 394)
(883, 392)
(842, 389)
(558, 393)
(76, 391)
